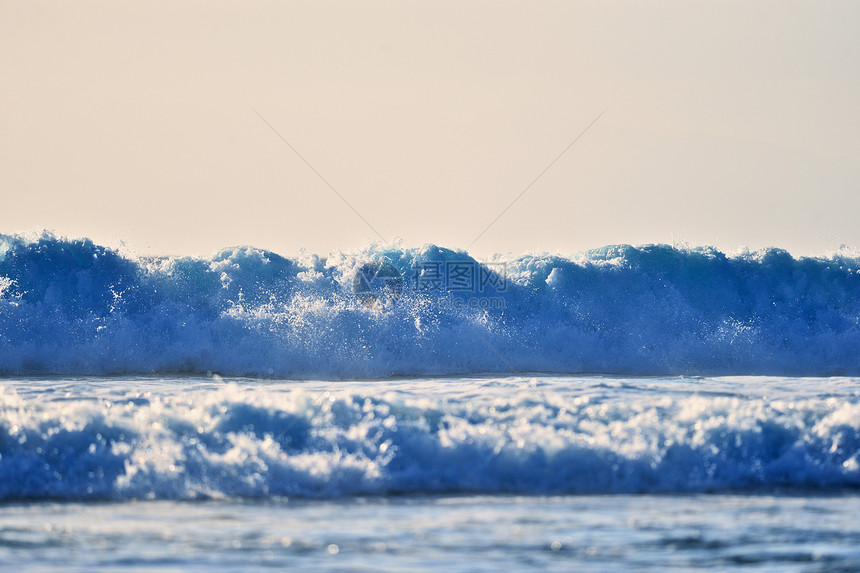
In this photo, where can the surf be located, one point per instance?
(73, 307)
(184, 439)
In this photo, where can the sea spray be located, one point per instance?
(74, 307)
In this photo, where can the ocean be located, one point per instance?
(392, 409)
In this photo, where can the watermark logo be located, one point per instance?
(457, 284)
(378, 285)
(460, 276)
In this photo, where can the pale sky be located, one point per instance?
(727, 123)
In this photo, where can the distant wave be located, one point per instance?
(74, 307)
(230, 442)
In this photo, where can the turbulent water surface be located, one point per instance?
(398, 409)
(101, 439)
(430, 473)
(72, 307)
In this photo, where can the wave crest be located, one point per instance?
(74, 307)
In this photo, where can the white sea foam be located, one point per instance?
(108, 439)
(72, 307)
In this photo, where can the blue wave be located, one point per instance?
(236, 441)
(74, 307)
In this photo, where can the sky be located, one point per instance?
(183, 127)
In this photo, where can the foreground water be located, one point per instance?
(458, 473)
(440, 533)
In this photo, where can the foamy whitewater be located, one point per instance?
(390, 409)
(194, 439)
(72, 307)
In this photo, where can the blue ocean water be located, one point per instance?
(630, 408)
(539, 472)
(187, 439)
(73, 307)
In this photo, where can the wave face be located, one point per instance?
(73, 307)
(214, 440)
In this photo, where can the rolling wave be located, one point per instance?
(232, 440)
(74, 307)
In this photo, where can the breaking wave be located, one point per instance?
(74, 307)
(234, 440)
